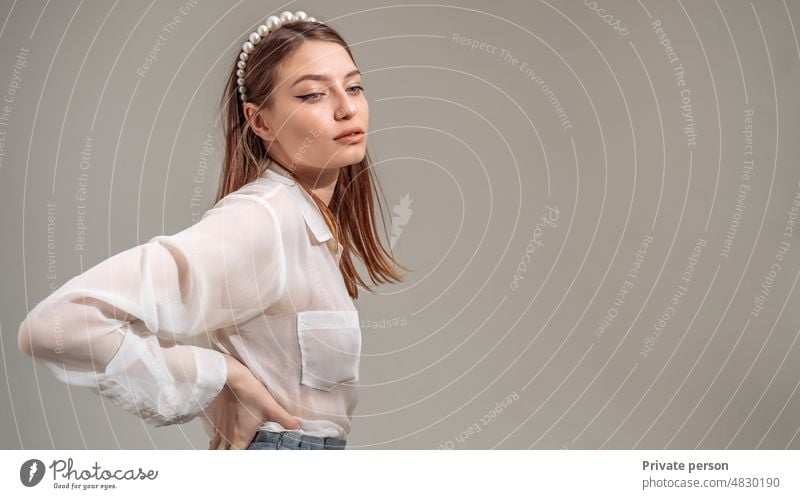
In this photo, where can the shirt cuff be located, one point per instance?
(212, 374)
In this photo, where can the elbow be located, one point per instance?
(25, 338)
(36, 338)
(24, 342)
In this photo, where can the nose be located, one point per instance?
(346, 108)
(345, 111)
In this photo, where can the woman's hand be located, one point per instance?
(242, 405)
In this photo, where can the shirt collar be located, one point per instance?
(314, 219)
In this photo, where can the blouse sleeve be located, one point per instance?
(124, 327)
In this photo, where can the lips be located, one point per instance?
(354, 131)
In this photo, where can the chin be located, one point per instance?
(347, 158)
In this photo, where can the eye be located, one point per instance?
(313, 97)
(310, 97)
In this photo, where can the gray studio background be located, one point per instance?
(593, 197)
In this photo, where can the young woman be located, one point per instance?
(246, 318)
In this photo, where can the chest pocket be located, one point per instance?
(330, 347)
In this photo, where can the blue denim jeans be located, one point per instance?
(292, 440)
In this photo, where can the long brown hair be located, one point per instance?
(350, 214)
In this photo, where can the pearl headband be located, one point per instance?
(271, 24)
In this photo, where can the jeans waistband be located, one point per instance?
(295, 440)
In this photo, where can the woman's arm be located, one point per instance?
(118, 327)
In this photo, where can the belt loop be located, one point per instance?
(280, 439)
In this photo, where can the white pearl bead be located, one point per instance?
(262, 30)
(248, 47)
(243, 56)
(255, 38)
(240, 81)
(300, 15)
(240, 73)
(312, 19)
(286, 16)
(242, 89)
(273, 22)
(241, 65)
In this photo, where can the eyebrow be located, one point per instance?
(323, 77)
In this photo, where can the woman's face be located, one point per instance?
(318, 98)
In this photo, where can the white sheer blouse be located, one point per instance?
(257, 277)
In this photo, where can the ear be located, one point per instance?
(259, 124)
